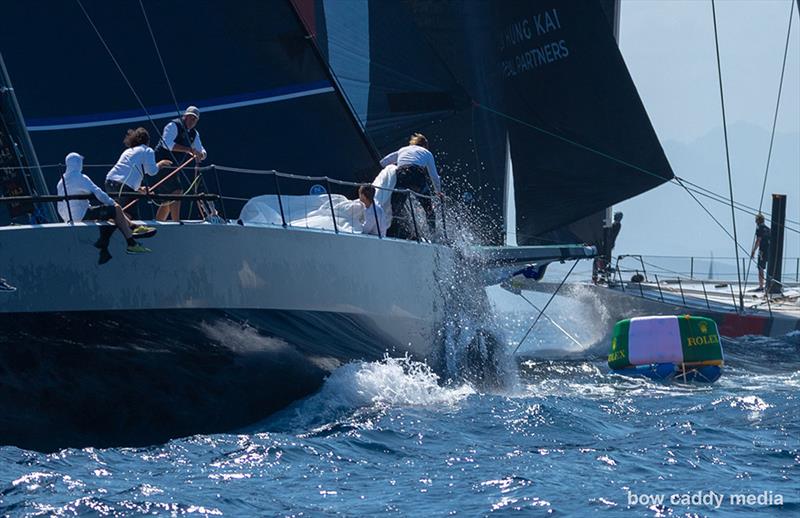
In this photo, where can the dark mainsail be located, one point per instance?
(591, 143)
(397, 83)
(542, 81)
(266, 99)
(543, 77)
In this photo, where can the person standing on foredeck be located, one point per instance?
(137, 160)
(416, 171)
(179, 141)
(762, 245)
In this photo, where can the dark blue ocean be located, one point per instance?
(557, 435)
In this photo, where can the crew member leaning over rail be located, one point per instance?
(416, 171)
(137, 160)
(73, 182)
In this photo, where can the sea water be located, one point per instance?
(561, 435)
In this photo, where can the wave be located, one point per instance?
(358, 392)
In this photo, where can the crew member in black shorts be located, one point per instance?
(416, 171)
(179, 141)
(762, 245)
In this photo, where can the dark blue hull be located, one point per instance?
(142, 377)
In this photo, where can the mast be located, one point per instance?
(19, 144)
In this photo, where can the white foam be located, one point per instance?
(394, 382)
(359, 388)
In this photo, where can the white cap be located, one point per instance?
(192, 110)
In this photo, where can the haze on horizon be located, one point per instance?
(669, 49)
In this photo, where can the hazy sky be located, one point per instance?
(668, 46)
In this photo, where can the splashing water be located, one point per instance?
(475, 344)
(361, 388)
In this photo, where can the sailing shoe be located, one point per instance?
(138, 249)
(104, 257)
(5, 286)
(142, 232)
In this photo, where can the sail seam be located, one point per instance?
(101, 121)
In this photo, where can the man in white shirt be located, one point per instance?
(74, 182)
(179, 141)
(416, 171)
(137, 160)
(374, 219)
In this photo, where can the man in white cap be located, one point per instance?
(179, 141)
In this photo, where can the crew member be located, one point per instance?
(374, 218)
(179, 141)
(83, 210)
(601, 266)
(762, 245)
(137, 160)
(416, 171)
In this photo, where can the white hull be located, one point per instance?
(389, 286)
(218, 327)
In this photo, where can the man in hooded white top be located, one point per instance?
(73, 182)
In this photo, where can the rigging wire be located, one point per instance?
(739, 206)
(777, 105)
(572, 142)
(774, 125)
(119, 67)
(528, 332)
(160, 59)
(727, 154)
(556, 324)
(676, 180)
(182, 179)
(737, 246)
(724, 201)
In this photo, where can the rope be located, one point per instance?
(727, 154)
(545, 307)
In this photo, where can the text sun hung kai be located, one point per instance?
(533, 29)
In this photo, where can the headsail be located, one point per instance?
(398, 83)
(579, 135)
(548, 73)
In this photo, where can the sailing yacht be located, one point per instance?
(322, 91)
